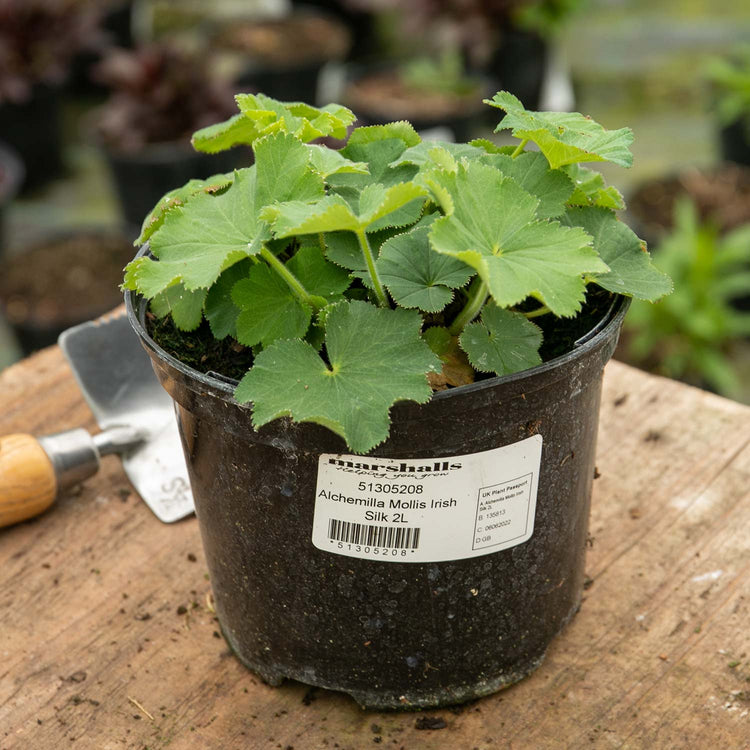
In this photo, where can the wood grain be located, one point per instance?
(108, 640)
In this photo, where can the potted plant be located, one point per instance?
(78, 281)
(281, 55)
(429, 92)
(38, 40)
(730, 80)
(158, 96)
(697, 334)
(720, 194)
(393, 498)
(503, 40)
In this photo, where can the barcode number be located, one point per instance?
(373, 536)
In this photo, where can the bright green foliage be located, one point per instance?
(354, 274)
(503, 342)
(261, 115)
(730, 76)
(375, 358)
(415, 275)
(691, 334)
(494, 229)
(564, 137)
(631, 271)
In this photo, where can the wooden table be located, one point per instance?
(108, 639)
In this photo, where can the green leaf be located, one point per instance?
(186, 308)
(503, 342)
(631, 271)
(492, 148)
(269, 309)
(333, 214)
(376, 357)
(417, 276)
(378, 146)
(178, 197)
(327, 162)
(564, 137)
(238, 130)
(591, 190)
(261, 115)
(344, 250)
(494, 229)
(212, 232)
(219, 309)
(427, 153)
(531, 171)
(316, 274)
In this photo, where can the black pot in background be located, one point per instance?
(11, 177)
(143, 177)
(735, 141)
(59, 281)
(462, 121)
(391, 634)
(33, 128)
(290, 73)
(519, 65)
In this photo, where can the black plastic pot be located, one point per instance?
(143, 177)
(11, 178)
(391, 634)
(463, 120)
(33, 128)
(735, 141)
(519, 65)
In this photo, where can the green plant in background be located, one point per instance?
(730, 77)
(445, 74)
(691, 334)
(355, 274)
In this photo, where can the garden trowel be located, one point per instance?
(135, 415)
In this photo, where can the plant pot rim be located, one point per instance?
(136, 308)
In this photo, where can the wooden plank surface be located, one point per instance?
(108, 640)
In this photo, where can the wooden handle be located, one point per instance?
(27, 479)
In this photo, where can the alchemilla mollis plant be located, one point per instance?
(361, 275)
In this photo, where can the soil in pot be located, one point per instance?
(60, 282)
(290, 608)
(721, 194)
(384, 96)
(283, 57)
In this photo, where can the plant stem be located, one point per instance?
(478, 294)
(364, 243)
(519, 148)
(543, 310)
(291, 280)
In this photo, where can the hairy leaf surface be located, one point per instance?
(631, 271)
(376, 356)
(494, 229)
(564, 137)
(417, 276)
(503, 342)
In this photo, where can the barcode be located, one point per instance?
(373, 536)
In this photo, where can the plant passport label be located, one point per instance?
(427, 509)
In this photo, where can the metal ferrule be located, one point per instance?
(73, 454)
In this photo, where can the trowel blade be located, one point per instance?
(119, 384)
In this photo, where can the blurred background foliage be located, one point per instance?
(127, 82)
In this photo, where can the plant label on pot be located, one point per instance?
(427, 510)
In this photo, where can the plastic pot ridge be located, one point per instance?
(391, 634)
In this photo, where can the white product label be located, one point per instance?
(427, 510)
